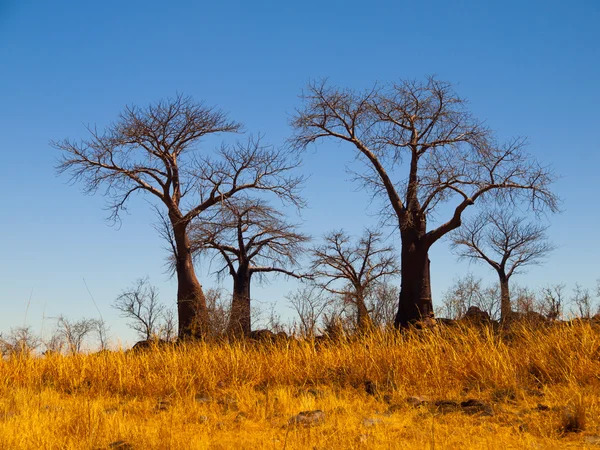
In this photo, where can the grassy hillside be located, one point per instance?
(451, 388)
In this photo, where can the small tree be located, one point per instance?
(252, 238)
(582, 302)
(74, 332)
(552, 301)
(352, 271)
(310, 303)
(469, 291)
(102, 329)
(21, 341)
(382, 302)
(140, 304)
(153, 151)
(505, 242)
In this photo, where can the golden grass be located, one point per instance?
(210, 396)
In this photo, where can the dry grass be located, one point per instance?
(543, 386)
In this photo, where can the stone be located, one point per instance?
(446, 406)
(308, 418)
(476, 316)
(371, 422)
(150, 344)
(417, 401)
(362, 438)
(592, 440)
(474, 406)
(371, 387)
(203, 398)
(120, 445)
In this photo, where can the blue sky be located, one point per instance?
(528, 68)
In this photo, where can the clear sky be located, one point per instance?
(529, 68)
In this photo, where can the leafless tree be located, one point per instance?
(153, 151)
(141, 305)
(421, 149)
(505, 242)
(526, 300)
(54, 344)
(469, 291)
(382, 302)
(582, 302)
(310, 303)
(102, 329)
(552, 301)
(352, 270)
(252, 238)
(167, 327)
(74, 332)
(21, 341)
(219, 310)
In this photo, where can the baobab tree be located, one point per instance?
(156, 151)
(421, 148)
(353, 270)
(506, 242)
(252, 238)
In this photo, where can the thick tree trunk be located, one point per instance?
(363, 318)
(415, 301)
(240, 318)
(505, 306)
(191, 303)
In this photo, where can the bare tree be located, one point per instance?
(526, 301)
(74, 332)
(310, 304)
(505, 242)
(252, 238)
(219, 310)
(21, 341)
(353, 270)
(421, 134)
(469, 291)
(382, 302)
(141, 305)
(552, 301)
(152, 151)
(102, 329)
(582, 301)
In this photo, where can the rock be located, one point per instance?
(476, 316)
(308, 418)
(417, 401)
(393, 409)
(362, 438)
(162, 405)
(446, 322)
(151, 344)
(473, 406)
(262, 336)
(371, 422)
(229, 403)
(120, 445)
(371, 387)
(240, 417)
(506, 394)
(592, 440)
(316, 393)
(202, 398)
(572, 421)
(446, 406)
